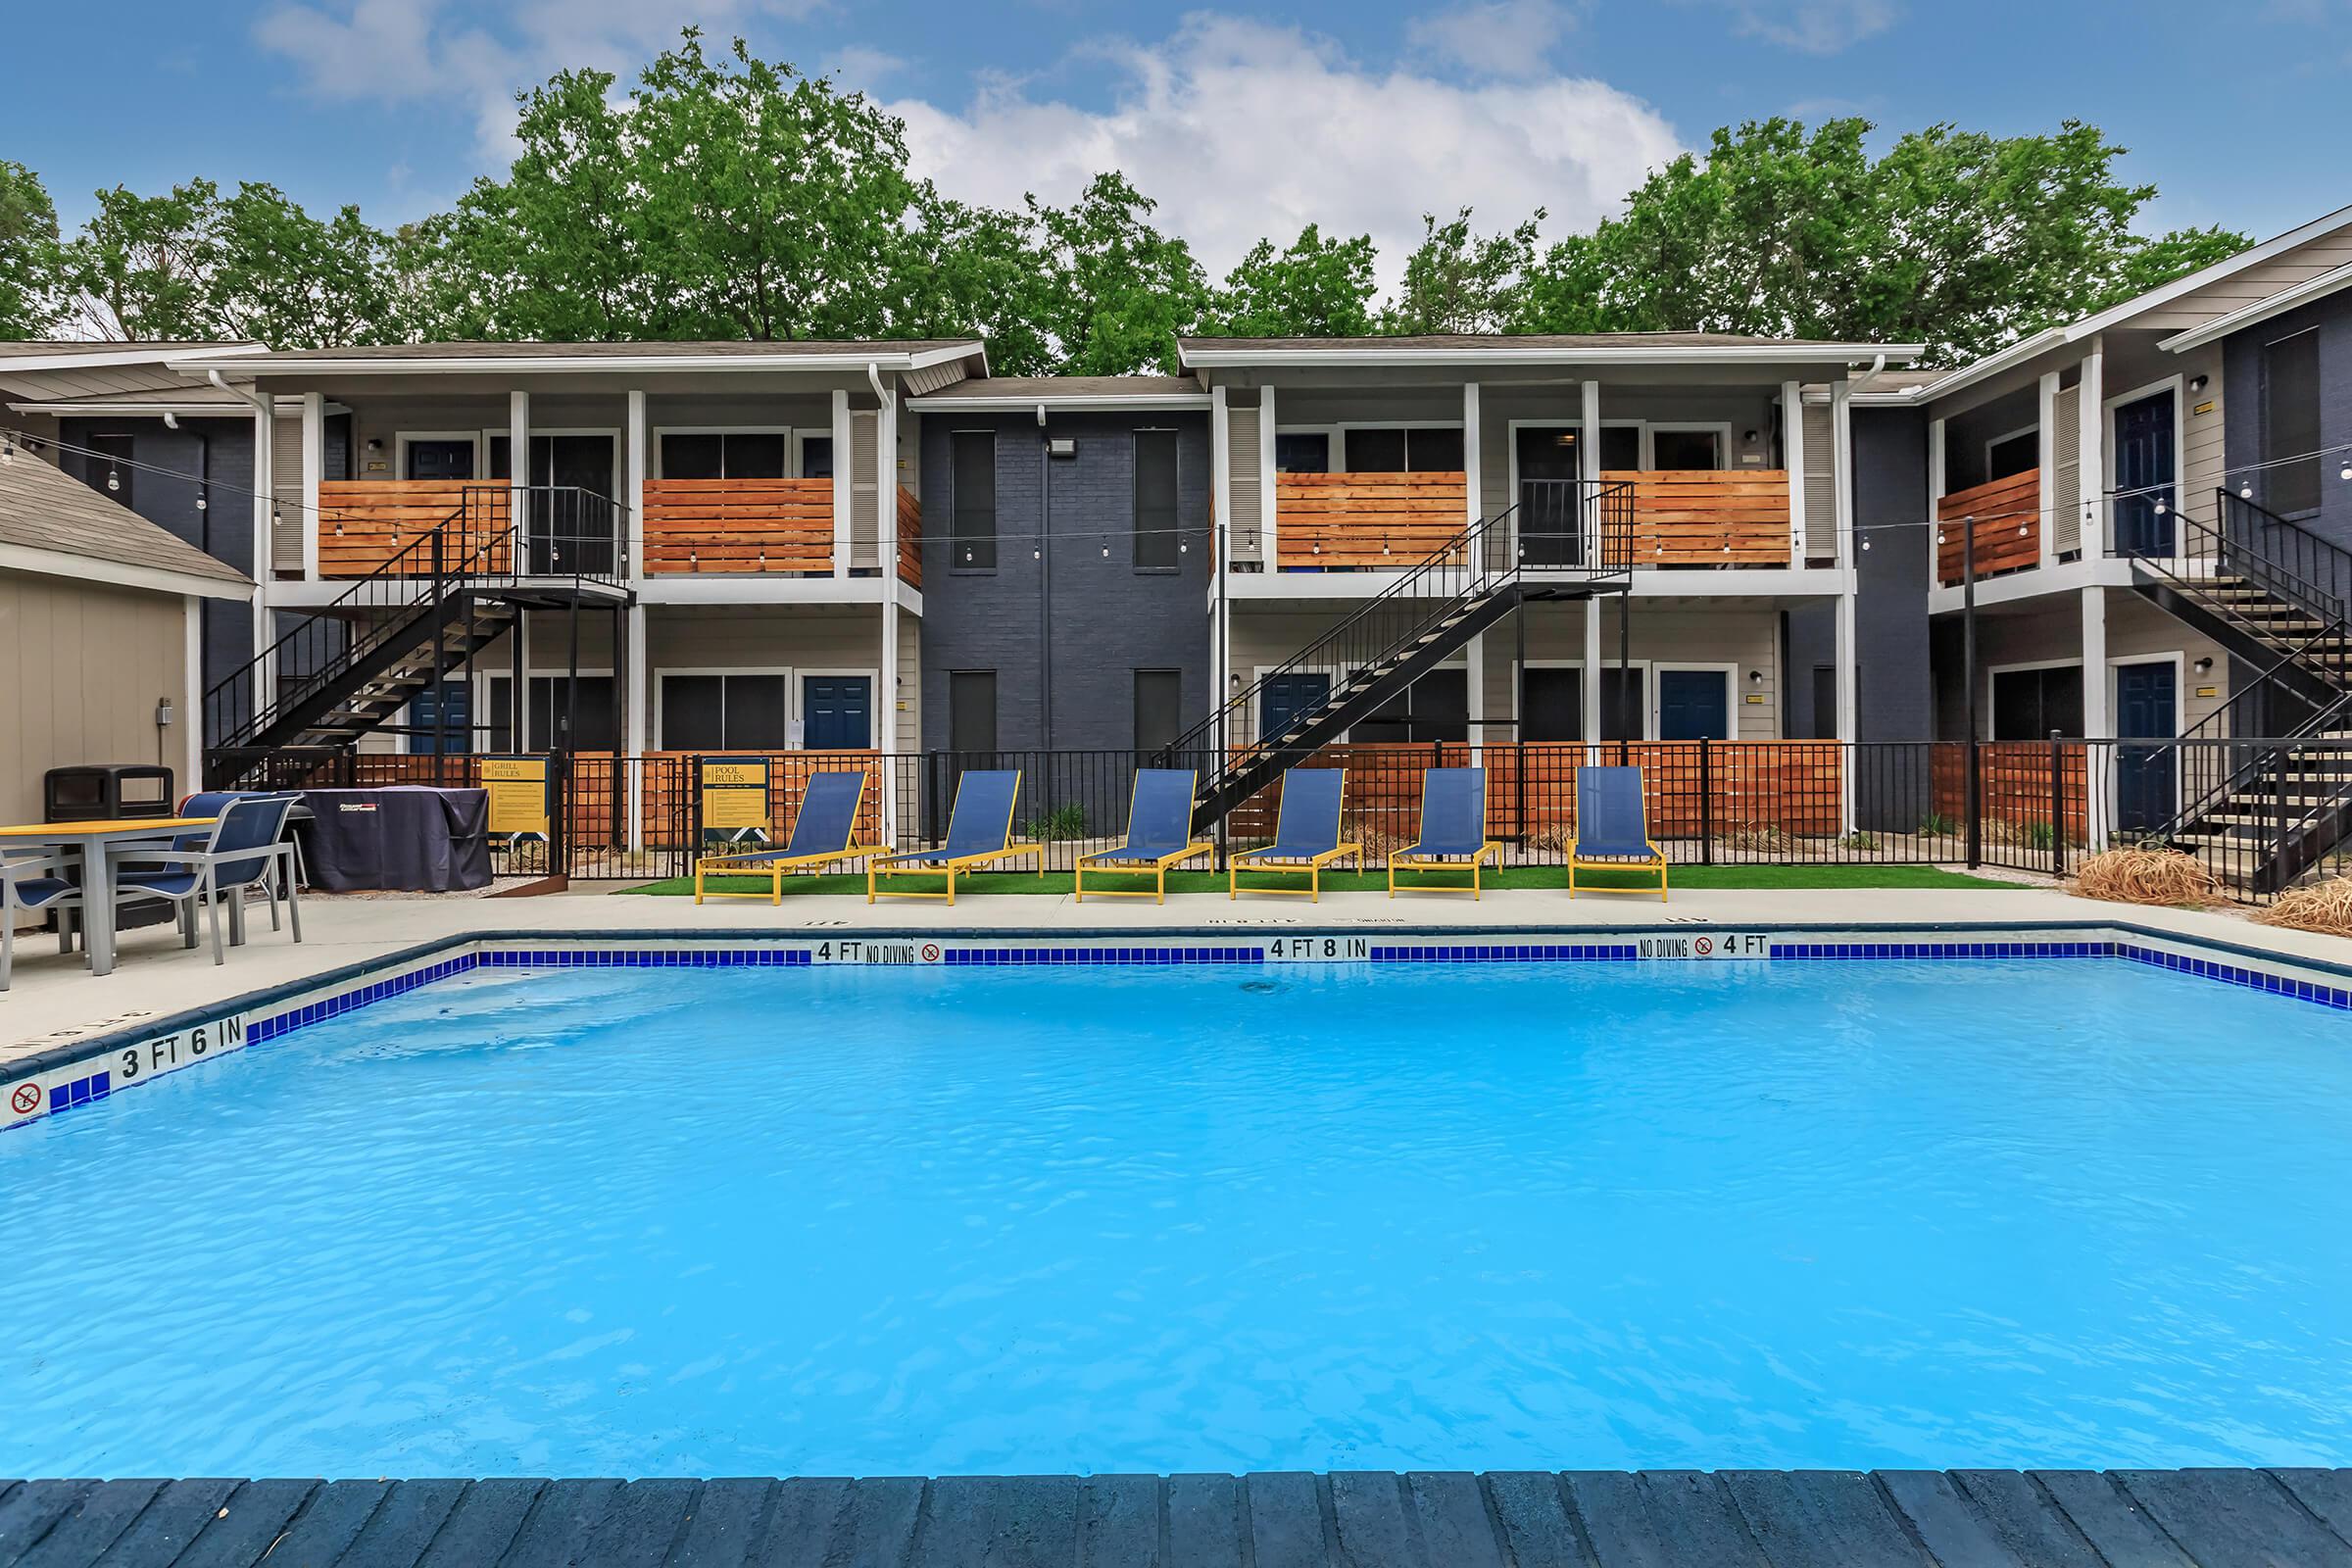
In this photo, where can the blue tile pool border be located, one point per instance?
(77, 1072)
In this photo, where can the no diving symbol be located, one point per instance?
(25, 1099)
(1706, 944)
(930, 952)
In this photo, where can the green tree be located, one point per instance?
(1457, 280)
(1316, 288)
(1116, 292)
(2152, 263)
(33, 259)
(143, 265)
(973, 270)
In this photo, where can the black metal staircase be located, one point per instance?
(350, 667)
(1399, 634)
(2267, 780)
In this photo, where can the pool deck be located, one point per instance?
(1439, 1519)
(54, 1000)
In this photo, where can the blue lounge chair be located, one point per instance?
(1159, 834)
(1453, 831)
(1306, 835)
(1612, 832)
(979, 834)
(824, 833)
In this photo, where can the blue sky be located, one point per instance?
(1241, 119)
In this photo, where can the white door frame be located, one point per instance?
(1721, 428)
(795, 704)
(2178, 385)
(1730, 690)
(481, 675)
(401, 438)
(660, 673)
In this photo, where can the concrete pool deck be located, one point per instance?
(54, 1000)
(1361, 1519)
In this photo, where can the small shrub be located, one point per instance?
(2146, 876)
(1937, 825)
(1761, 837)
(2323, 907)
(1859, 841)
(1552, 838)
(1065, 821)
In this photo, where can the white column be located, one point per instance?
(843, 532)
(314, 469)
(2091, 469)
(189, 699)
(637, 701)
(1587, 466)
(1590, 682)
(1221, 489)
(886, 533)
(1475, 507)
(519, 466)
(1842, 468)
(265, 456)
(632, 490)
(2045, 469)
(1792, 454)
(1848, 657)
(2098, 722)
(1477, 695)
(1934, 468)
(1269, 522)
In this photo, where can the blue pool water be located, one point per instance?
(932, 1221)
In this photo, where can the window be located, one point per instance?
(2291, 422)
(598, 721)
(1620, 449)
(1158, 708)
(438, 457)
(2028, 704)
(728, 455)
(1624, 699)
(1435, 707)
(816, 457)
(972, 501)
(723, 713)
(1387, 450)
(1552, 705)
(1302, 452)
(1155, 519)
(1681, 449)
(1825, 703)
(111, 456)
(2012, 454)
(971, 711)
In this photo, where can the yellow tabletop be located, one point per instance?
(102, 827)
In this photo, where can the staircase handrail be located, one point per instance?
(2319, 582)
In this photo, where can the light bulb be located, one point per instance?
(2245, 492)
(2345, 472)
(8, 454)
(2160, 508)
(202, 503)
(1939, 536)
(113, 480)
(1107, 552)
(1866, 544)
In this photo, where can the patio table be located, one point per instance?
(93, 841)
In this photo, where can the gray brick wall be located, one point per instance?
(2242, 373)
(1104, 620)
(1896, 696)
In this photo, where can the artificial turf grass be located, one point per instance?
(1696, 878)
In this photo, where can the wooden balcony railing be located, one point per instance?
(738, 525)
(365, 522)
(910, 539)
(1332, 520)
(2008, 527)
(1708, 517)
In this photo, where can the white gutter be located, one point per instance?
(613, 365)
(1084, 403)
(1372, 355)
(1878, 367)
(127, 354)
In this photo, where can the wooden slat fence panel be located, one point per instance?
(2008, 527)
(1395, 520)
(1708, 518)
(911, 538)
(738, 525)
(365, 522)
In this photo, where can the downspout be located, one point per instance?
(1878, 367)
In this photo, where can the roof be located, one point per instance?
(198, 397)
(62, 347)
(1070, 392)
(45, 509)
(86, 353)
(801, 353)
(1538, 347)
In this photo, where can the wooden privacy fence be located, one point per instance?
(363, 523)
(1708, 517)
(1331, 520)
(911, 538)
(2020, 796)
(738, 525)
(2008, 527)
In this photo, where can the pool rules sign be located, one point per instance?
(731, 796)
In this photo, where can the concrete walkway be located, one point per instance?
(54, 999)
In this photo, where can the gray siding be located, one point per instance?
(1894, 700)
(2242, 362)
(1105, 618)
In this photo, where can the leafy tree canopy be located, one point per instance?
(33, 262)
(1316, 288)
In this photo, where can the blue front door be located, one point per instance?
(837, 713)
(441, 710)
(2144, 477)
(2146, 707)
(1285, 699)
(1694, 705)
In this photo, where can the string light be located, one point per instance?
(8, 452)
(113, 480)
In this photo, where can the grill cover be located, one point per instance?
(408, 838)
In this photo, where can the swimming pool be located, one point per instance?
(939, 1220)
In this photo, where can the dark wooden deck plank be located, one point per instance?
(999, 1522)
(1285, 1519)
(91, 1525)
(806, 1516)
(248, 1524)
(2113, 1523)
(1533, 1518)
(334, 1516)
(1118, 1522)
(725, 1523)
(2030, 1525)
(31, 1509)
(641, 1524)
(1206, 1528)
(1368, 1520)
(167, 1524)
(881, 1520)
(2235, 1519)
(2327, 1494)
(567, 1516)
(1956, 1534)
(1694, 1519)
(483, 1523)
(397, 1535)
(1456, 1531)
(1821, 1519)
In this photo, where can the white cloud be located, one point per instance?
(1241, 129)
(1815, 26)
(1494, 38)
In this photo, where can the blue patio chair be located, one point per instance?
(1306, 834)
(979, 834)
(245, 849)
(35, 883)
(211, 803)
(1453, 831)
(1159, 834)
(1612, 833)
(824, 833)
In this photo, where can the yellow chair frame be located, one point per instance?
(1657, 863)
(775, 871)
(1312, 865)
(1157, 870)
(1401, 861)
(963, 864)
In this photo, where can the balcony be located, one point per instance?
(1354, 521)
(1708, 517)
(2007, 527)
(739, 526)
(362, 523)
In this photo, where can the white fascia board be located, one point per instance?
(2244, 315)
(121, 574)
(948, 403)
(1378, 357)
(575, 364)
(156, 407)
(167, 355)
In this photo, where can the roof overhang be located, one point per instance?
(161, 403)
(2278, 304)
(1372, 352)
(163, 354)
(121, 574)
(1072, 403)
(879, 357)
